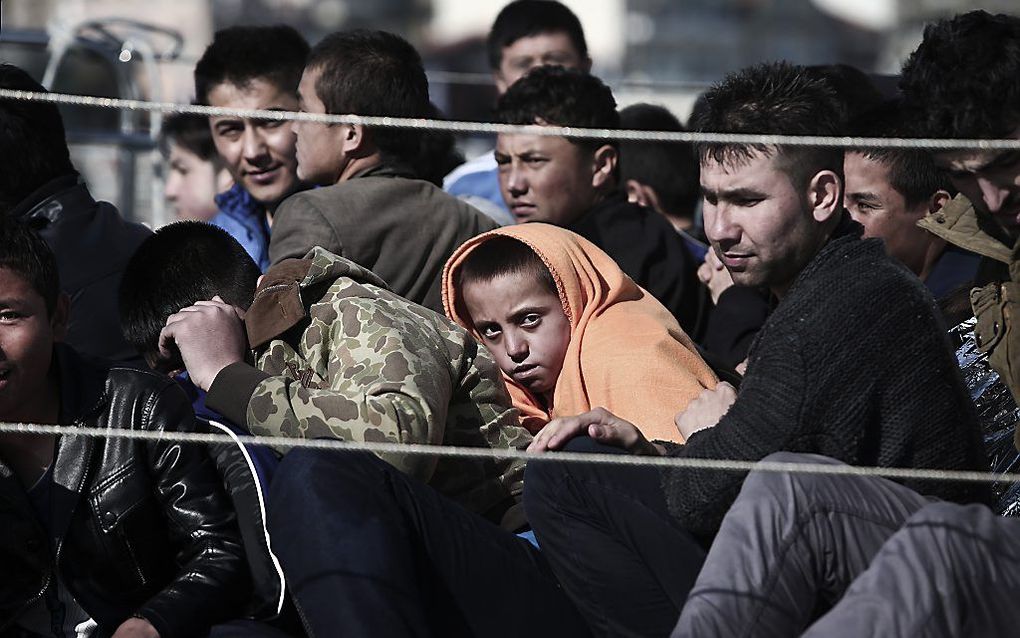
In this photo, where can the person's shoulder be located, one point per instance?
(484, 163)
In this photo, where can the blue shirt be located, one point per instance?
(245, 220)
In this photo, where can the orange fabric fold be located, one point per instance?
(627, 353)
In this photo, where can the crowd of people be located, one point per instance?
(811, 305)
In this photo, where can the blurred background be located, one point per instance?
(659, 51)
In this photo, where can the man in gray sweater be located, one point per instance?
(853, 363)
(371, 211)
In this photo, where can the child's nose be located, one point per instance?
(517, 348)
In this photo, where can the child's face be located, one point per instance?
(524, 327)
(27, 334)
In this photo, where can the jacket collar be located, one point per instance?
(46, 205)
(277, 306)
(386, 169)
(958, 223)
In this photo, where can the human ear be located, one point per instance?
(606, 158)
(938, 200)
(61, 317)
(354, 138)
(501, 85)
(824, 195)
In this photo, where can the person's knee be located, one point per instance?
(307, 477)
(789, 484)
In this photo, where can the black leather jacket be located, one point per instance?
(136, 527)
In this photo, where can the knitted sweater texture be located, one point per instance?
(854, 363)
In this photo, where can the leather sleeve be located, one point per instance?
(213, 582)
(298, 226)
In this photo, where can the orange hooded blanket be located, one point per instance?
(626, 353)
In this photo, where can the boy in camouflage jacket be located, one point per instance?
(337, 355)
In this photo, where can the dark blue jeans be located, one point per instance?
(610, 539)
(369, 551)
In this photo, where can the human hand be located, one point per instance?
(601, 425)
(713, 274)
(706, 410)
(209, 335)
(136, 628)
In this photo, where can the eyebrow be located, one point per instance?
(733, 193)
(863, 195)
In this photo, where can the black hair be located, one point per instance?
(437, 153)
(525, 18)
(32, 138)
(774, 98)
(963, 78)
(912, 172)
(670, 168)
(560, 97)
(26, 254)
(856, 91)
(373, 73)
(501, 256)
(241, 54)
(176, 266)
(190, 132)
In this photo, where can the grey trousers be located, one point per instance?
(795, 543)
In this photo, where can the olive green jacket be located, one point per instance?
(340, 356)
(996, 299)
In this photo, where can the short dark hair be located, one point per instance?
(241, 54)
(26, 254)
(525, 18)
(367, 72)
(32, 138)
(437, 153)
(560, 97)
(502, 255)
(670, 168)
(774, 98)
(190, 132)
(855, 90)
(963, 78)
(912, 172)
(176, 266)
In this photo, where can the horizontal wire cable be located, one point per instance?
(495, 454)
(485, 79)
(528, 129)
(506, 453)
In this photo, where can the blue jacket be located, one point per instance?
(247, 471)
(245, 220)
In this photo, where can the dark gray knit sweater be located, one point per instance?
(854, 363)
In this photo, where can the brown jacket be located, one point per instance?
(996, 298)
(401, 229)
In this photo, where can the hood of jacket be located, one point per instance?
(279, 302)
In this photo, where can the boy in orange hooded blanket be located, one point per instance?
(571, 331)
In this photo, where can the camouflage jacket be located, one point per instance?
(338, 355)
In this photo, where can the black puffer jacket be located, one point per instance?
(140, 527)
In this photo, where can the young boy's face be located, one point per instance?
(259, 154)
(524, 327)
(27, 334)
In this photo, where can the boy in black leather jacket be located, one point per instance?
(100, 536)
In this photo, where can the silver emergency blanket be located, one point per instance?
(997, 414)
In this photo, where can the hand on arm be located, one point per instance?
(713, 274)
(706, 410)
(209, 335)
(601, 425)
